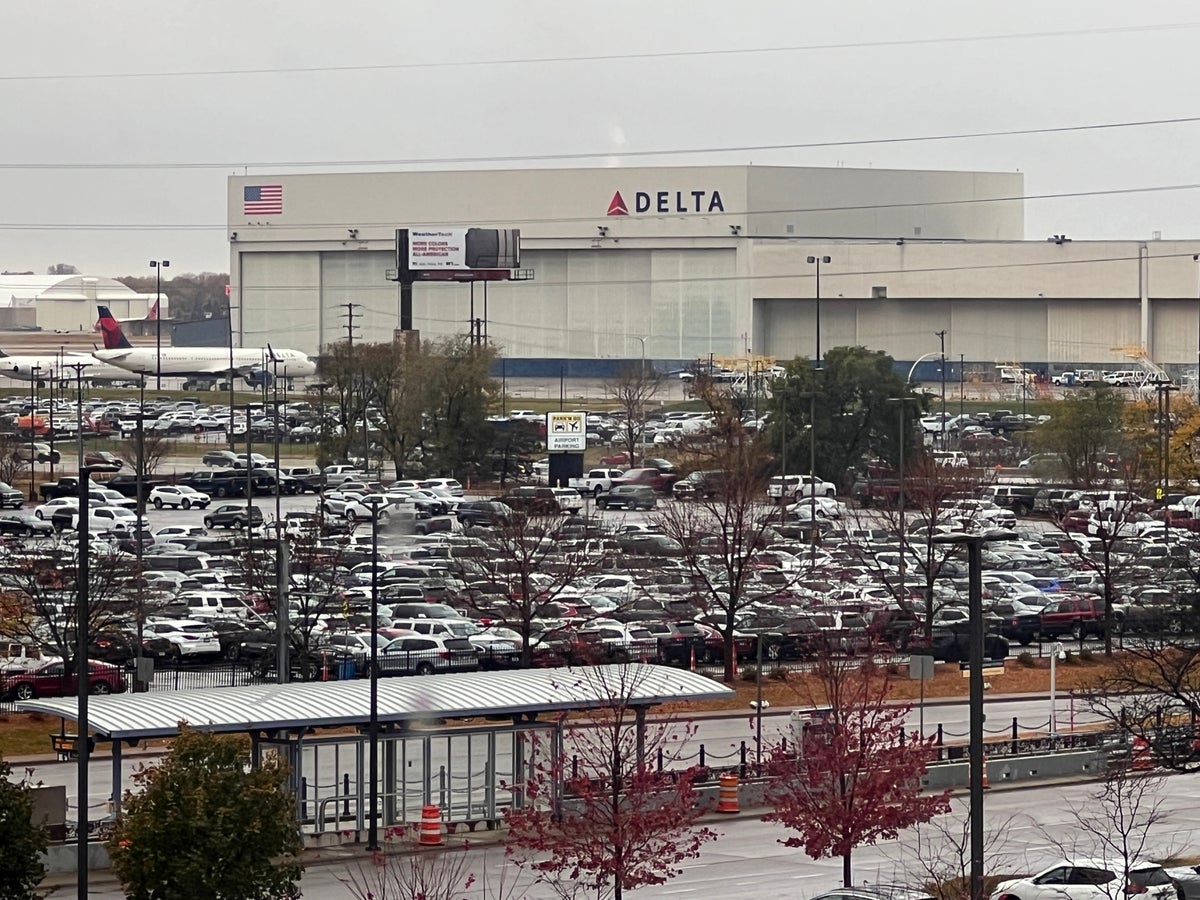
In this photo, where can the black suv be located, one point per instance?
(487, 512)
(10, 496)
(233, 516)
(536, 501)
(702, 485)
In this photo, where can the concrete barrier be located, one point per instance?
(1007, 769)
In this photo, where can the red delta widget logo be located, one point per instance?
(667, 202)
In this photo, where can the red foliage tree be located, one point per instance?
(593, 813)
(855, 777)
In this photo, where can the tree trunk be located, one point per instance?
(846, 869)
(730, 646)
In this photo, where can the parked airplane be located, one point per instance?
(27, 368)
(198, 362)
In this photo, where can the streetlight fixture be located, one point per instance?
(158, 265)
(818, 261)
(974, 544)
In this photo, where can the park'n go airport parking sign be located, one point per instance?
(566, 432)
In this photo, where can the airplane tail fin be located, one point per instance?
(110, 328)
(152, 316)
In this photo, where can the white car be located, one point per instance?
(188, 638)
(176, 496)
(352, 507)
(114, 498)
(1090, 879)
(50, 507)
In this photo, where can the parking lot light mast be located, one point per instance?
(375, 502)
(158, 265)
(140, 452)
(901, 404)
(818, 261)
(33, 379)
(974, 544)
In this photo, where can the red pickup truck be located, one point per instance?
(651, 478)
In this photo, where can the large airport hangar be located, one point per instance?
(677, 263)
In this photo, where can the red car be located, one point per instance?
(51, 680)
(648, 477)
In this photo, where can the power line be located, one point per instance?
(608, 57)
(566, 220)
(603, 154)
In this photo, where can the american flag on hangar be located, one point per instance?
(262, 200)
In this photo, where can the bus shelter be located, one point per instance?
(460, 741)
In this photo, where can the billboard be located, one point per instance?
(566, 432)
(431, 252)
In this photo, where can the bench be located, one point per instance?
(64, 746)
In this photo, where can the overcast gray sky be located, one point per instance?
(439, 90)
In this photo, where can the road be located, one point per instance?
(748, 862)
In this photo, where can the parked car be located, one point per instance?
(486, 512)
(221, 459)
(233, 516)
(1090, 879)
(178, 495)
(1078, 616)
(628, 496)
(10, 497)
(25, 524)
(184, 637)
(52, 679)
(428, 654)
(102, 457)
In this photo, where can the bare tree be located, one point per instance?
(933, 498)
(623, 823)
(1115, 823)
(536, 564)
(936, 855)
(156, 447)
(1151, 690)
(12, 466)
(724, 528)
(632, 389)
(39, 601)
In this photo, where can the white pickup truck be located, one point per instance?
(596, 481)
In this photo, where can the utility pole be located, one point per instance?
(941, 336)
(350, 315)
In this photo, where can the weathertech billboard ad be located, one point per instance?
(423, 252)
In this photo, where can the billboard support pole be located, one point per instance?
(406, 287)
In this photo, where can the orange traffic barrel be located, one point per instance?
(431, 827)
(727, 802)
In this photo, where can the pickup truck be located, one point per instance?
(596, 481)
(661, 482)
(64, 487)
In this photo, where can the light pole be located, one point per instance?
(374, 501)
(901, 404)
(158, 265)
(1196, 258)
(229, 302)
(817, 261)
(1056, 653)
(141, 510)
(33, 380)
(974, 544)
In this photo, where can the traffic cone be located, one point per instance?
(985, 774)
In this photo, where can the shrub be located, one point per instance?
(1025, 659)
(778, 673)
(1085, 655)
(750, 673)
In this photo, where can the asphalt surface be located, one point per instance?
(1027, 829)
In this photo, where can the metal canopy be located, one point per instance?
(272, 707)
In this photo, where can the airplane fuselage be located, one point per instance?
(42, 368)
(208, 361)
